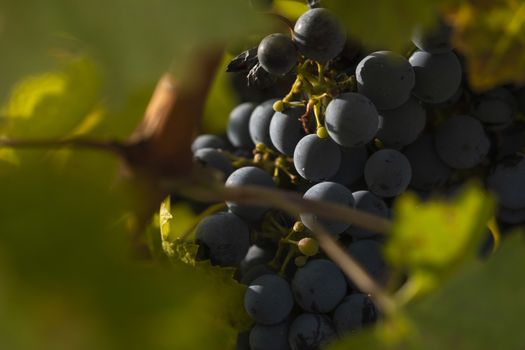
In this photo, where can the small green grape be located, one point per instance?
(322, 133)
(278, 106)
(308, 246)
(298, 227)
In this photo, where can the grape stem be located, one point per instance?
(288, 201)
(116, 147)
(354, 271)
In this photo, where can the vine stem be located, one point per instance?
(353, 270)
(288, 201)
(111, 146)
(294, 204)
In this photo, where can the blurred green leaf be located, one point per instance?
(480, 308)
(491, 36)
(437, 234)
(384, 24)
(134, 40)
(53, 104)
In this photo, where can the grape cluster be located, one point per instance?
(357, 128)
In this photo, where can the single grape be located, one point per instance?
(368, 254)
(351, 119)
(370, 203)
(268, 300)
(387, 173)
(512, 140)
(243, 341)
(316, 159)
(251, 176)
(238, 130)
(258, 253)
(495, 114)
(273, 337)
(438, 76)
(308, 246)
(311, 331)
(461, 142)
(207, 141)
(286, 130)
(319, 35)
(503, 94)
(331, 192)
(211, 157)
(511, 216)
(223, 238)
(401, 126)
(277, 54)
(435, 39)
(319, 286)
(428, 170)
(352, 165)
(255, 272)
(355, 312)
(386, 78)
(260, 120)
(507, 180)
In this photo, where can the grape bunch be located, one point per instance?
(357, 128)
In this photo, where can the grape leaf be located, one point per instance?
(490, 35)
(134, 41)
(385, 24)
(438, 234)
(479, 308)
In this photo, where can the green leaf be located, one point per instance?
(54, 104)
(480, 308)
(135, 41)
(490, 35)
(385, 24)
(437, 234)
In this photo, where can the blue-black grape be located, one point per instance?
(311, 332)
(330, 192)
(319, 35)
(351, 119)
(511, 216)
(461, 142)
(316, 159)
(238, 130)
(512, 140)
(508, 181)
(211, 157)
(207, 141)
(255, 272)
(370, 203)
(368, 254)
(495, 114)
(273, 337)
(286, 130)
(437, 76)
(277, 54)
(401, 126)
(319, 286)
(223, 238)
(352, 165)
(428, 170)
(243, 341)
(257, 254)
(387, 173)
(435, 39)
(355, 312)
(251, 176)
(386, 78)
(268, 300)
(260, 120)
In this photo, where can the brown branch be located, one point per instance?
(353, 270)
(288, 201)
(81, 143)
